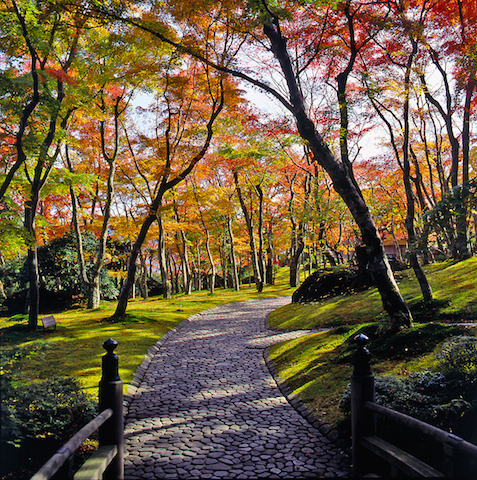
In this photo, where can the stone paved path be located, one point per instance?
(207, 406)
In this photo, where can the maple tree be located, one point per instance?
(302, 187)
(179, 151)
(269, 21)
(98, 130)
(40, 61)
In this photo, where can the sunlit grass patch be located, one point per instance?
(75, 347)
(318, 367)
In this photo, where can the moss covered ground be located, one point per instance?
(318, 367)
(75, 347)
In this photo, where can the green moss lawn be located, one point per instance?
(318, 367)
(75, 347)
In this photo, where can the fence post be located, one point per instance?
(362, 390)
(111, 396)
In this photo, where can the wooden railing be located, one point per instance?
(365, 441)
(108, 461)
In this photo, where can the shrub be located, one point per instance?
(459, 355)
(404, 395)
(425, 396)
(54, 408)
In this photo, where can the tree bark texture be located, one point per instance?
(378, 264)
(233, 257)
(409, 221)
(161, 252)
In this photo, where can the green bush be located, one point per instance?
(424, 396)
(55, 408)
(404, 395)
(459, 355)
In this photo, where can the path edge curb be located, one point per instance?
(297, 403)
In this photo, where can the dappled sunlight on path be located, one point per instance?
(207, 406)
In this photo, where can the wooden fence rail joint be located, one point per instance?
(365, 441)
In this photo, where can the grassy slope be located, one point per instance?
(318, 367)
(75, 347)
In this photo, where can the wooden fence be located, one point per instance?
(108, 461)
(453, 450)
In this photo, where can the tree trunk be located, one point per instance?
(95, 292)
(461, 224)
(165, 185)
(261, 243)
(184, 255)
(378, 265)
(79, 241)
(207, 245)
(31, 207)
(251, 234)
(225, 262)
(161, 251)
(34, 288)
(233, 257)
(132, 267)
(297, 250)
(409, 221)
(198, 283)
(212, 264)
(144, 289)
(296, 244)
(269, 269)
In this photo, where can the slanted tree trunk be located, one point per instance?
(165, 185)
(132, 267)
(392, 299)
(378, 265)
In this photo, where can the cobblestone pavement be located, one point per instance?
(206, 406)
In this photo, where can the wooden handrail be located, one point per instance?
(59, 458)
(422, 427)
(108, 462)
(365, 439)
